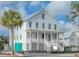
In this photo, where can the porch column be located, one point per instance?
(51, 36)
(57, 37)
(30, 40)
(63, 40)
(37, 40)
(44, 40)
(63, 36)
(51, 40)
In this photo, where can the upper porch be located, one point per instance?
(42, 35)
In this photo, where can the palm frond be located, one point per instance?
(11, 18)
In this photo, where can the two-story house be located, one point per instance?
(39, 32)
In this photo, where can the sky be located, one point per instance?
(58, 10)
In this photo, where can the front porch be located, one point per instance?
(44, 41)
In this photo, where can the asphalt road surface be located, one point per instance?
(50, 55)
(42, 55)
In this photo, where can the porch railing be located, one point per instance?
(54, 43)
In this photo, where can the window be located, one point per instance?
(43, 16)
(54, 36)
(36, 24)
(55, 27)
(20, 36)
(42, 36)
(36, 35)
(49, 37)
(43, 25)
(28, 35)
(17, 37)
(49, 26)
(30, 24)
(27, 46)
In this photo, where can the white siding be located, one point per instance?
(38, 18)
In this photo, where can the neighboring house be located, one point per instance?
(39, 32)
(71, 40)
(4, 43)
(74, 41)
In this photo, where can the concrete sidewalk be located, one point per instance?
(10, 54)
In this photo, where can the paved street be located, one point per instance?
(9, 54)
(50, 55)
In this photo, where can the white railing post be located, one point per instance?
(44, 40)
(30, 40)
(51, 37)
(57, 38)
(63, 40)
(51, 41)
(37, 41)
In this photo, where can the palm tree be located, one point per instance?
(11, 19)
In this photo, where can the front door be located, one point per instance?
(18, 47)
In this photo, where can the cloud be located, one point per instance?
(23, 13)
(13, 5)
(6, 3)
(66, 27)
(62, 27)
(3, 30)
(59, 8)
(35, 3)
(5, 6)
(69, 25)
(61, 22)
(21, 9)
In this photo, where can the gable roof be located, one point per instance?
(33, 14)
(37, 12)
(70, 32)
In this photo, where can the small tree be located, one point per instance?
(74, 11)
(1, 43)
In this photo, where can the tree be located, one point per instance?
(1, 43)
(11, 19)
(74, 11)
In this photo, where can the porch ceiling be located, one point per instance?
(46, 31)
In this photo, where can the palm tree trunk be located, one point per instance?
(11, 39)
